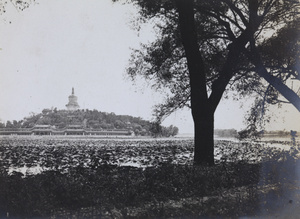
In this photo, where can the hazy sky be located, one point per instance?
(55, 45)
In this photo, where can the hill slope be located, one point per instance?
(92, 119)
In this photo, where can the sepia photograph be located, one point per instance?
(149, 109)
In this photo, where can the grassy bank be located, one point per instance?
(163, 191)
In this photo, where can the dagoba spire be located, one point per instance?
(72, 105)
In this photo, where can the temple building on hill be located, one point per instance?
(72, 129)
(72, 105)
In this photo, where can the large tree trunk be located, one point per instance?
(204, 135)
(201, 111)
(203, 107)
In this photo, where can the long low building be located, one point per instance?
(69, 130)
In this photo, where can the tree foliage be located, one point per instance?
(19, 5)
(205, 48)
(218, 23)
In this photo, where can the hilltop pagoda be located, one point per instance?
(72, 105)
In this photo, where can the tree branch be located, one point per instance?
(238, 11)
(284, 90)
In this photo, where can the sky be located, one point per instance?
(55, 45)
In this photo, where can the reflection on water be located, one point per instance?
(27, 170)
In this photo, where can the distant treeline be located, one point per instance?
(244, 133)
(92, 119)
(226, 132)
(277, 133)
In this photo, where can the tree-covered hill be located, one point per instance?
(92, 119)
